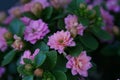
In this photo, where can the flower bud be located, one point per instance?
(82, 5)
(116, 30)
(7, 35)
(24, 1)
(17, 44)
(15, 11)
(36, 8)
(38, 72)
(73, 32)
(59, 3)
(28, 67)
(2, 16)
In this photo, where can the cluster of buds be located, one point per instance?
(18, 43)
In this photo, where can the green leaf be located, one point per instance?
(42, 46)
(89, 41)
(75, 51)
(61, 64)
(40, 58)
(61, 24)
(17, 27)
(70, 76)
(8, 57)
(75, 4)
(27, 61)
(51, 60)
(29, 15)
(20, 69)
(59, 75)
(47, 12)
(48, 76)
(101, 33)
(31, 77)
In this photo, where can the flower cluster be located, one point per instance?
(73, 26)
(51, 39)
(35, 31)
(80, 64)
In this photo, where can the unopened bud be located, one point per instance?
(28, 67)
(7, 35)
(24, 1)
(73, 32)
(2, 16)
(82, 5)
(17, 44)
(36, 8)
(16, 11)
(116, 30)
(38, 72)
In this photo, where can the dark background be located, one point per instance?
(6, 4)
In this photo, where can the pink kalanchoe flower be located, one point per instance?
(27, 54)
(71, 22)
(113, 5)
(80, 64)
(35, 31)
(60, 40)
(3, 44)
(25, 20)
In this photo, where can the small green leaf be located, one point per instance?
(20, 69)
(27, 61)
(42, 46)
(59, 75)
(75, 51)
(29, 15)
(17, 27)
(101, 34)
(8, 57)
(47, 13)
(40, 58)
(31, 77)
(51, 60)
(89, 41)
(48, 76)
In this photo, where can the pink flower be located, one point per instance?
(27, 54)
(80, 64)
(60, 40)
(2, 71)
(71, 21)
(72, 25)
(3, 44)
(35, 31)
(25, 20)
(8, 19)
